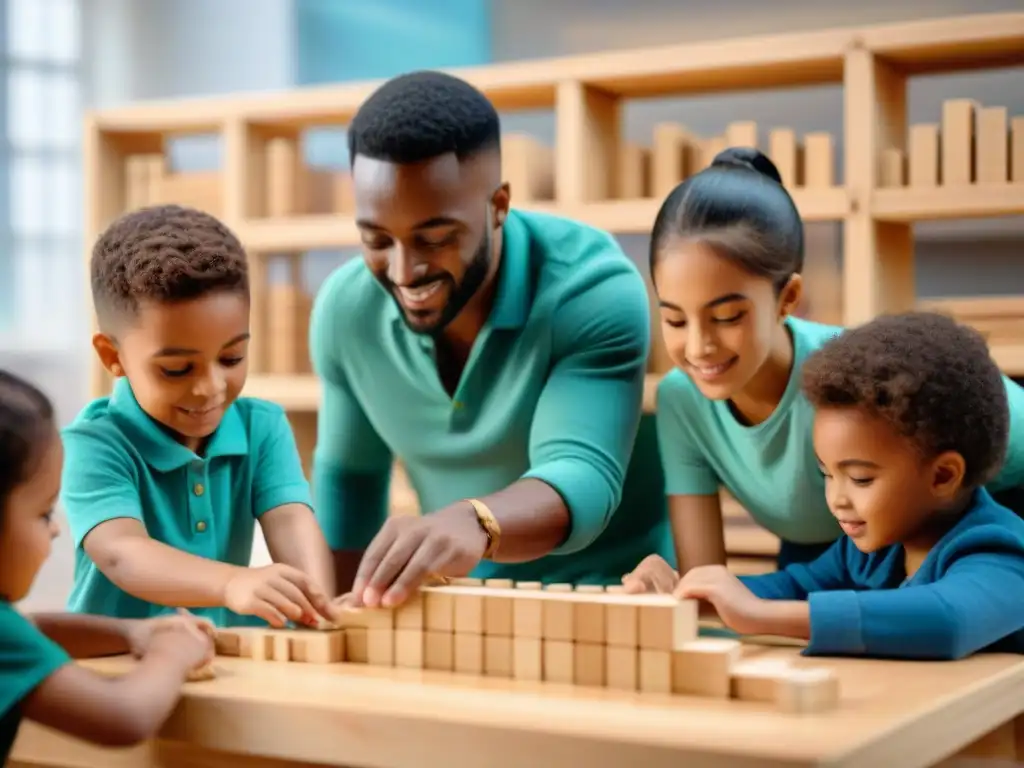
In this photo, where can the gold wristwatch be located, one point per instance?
(489, 523)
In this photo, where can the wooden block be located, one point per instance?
(227, 642)
(787, 154)
(559, 661)
(357, 645)
(958, 140)
(469, 653)
(324, 647)
(412, 613)
(892, 171)
(439, 612)
(741, 133)
(621, 668)
(368, 618)
(409, 648)
(923, 167)
(498, 610)
(469, 614)
(528, 658)
(757, 679)
(655, 671)
(439, 651)
(497, 656)
(589, 618)
(668, 627)
(819, 160)
(993, 146)
(1017, 150)
(615, 589)
(467, 581)
(262, 646)
(804, 691)
(282, 647)
(703, 667)
(380, 647)
(668, 158)
(557, 620)
(710, 149)
(527, 615)
(634, 176)
(589, 664)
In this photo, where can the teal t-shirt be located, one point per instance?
(119, 463)
(552, 391)
(771, 467)
(27, 658)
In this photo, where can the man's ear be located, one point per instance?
(501, 202)
(106, 349)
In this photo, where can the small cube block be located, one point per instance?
(557, 616)
(498, 610)
(589, 618)
(469, 614)
(527, 612)
(380, 645)
(357, 644)
(527, 658)
(411, 613)
(439, 611)
(282, 647)
(757, 679)
(589, 664)
(703, 667)
(621, 667)
(324, 647)
(668, 627)
(469, 653)
(262, 646)
(497, 656)
(559, 661)
(409, 648)
(439, 651)
(622, 625)
(807, 691)
(655, 671)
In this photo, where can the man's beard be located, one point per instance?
(458, 295)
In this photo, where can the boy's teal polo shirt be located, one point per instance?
(552, 390)
(118, 462)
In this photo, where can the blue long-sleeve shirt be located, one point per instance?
(967, 596)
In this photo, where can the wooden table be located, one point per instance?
(268, 715)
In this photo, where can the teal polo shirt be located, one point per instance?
(552, 390)
(118, 462)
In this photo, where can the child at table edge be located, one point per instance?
(166, 478)
(911, 419)
(38, 679)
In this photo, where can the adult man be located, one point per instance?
(500, 355)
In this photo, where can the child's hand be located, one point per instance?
(653, 574)
(738, 608)
(140, 632)
(184, 642)
(276, 593)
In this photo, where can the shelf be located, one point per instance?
(908, 204)
(1010, 358)
(323, 231)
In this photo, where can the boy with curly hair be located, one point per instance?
(165, 479)
(911, 419)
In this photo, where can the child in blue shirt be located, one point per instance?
(167, 477)
(38, 679)
(911, 420)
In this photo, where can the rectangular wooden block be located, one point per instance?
(668, 627)
(622, 668)
(559, 661)
(1017, 150)
(807, 691)
(589, 618)
(892, 170)
(380, 647)
(439, 612)
(993, 146)
(439, 651)
(703, 667)
(589, 664)
(227, 642)
(282, 649)
(409, 648)
(741, 133)
(469, 653)
(958, 141)
(469, 614)
(497, 656)
(528, 658)
(819, 160)
(757, 680)
(634, 176)
(787, 154)
(655, 671)
(262, 646)
(411, 614)
(498, 610)
(527, 614)
(924, 155)
(325, 647)
(357, 645)
(557, 617)
(368, 618)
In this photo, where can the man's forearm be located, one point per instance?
(533, 518)
(84, 636)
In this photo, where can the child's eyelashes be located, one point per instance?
(862, 482)
(177, 373)
(731, 320)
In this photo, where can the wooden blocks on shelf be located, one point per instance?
(586, 636)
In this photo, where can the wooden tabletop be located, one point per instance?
(892, 714)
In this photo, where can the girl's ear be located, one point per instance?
(790, 296)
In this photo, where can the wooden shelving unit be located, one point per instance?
(280, 208)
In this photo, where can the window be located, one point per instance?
(41, 275)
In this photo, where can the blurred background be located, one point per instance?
(64, 57)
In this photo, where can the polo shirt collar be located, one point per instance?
(161, 451)
(514, 291)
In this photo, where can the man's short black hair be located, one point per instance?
(423, 115)
(932, 379)
(164, 254)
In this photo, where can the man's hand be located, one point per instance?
(738, 608)
(408, 550)
(654, 574)
(139, 632)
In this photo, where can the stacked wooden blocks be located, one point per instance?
(972, 145)
(587, 636)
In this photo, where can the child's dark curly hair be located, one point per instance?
(928, 376)
(166, 253)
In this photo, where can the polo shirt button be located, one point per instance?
(200, 526)
(198, 489)
(457, 404)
